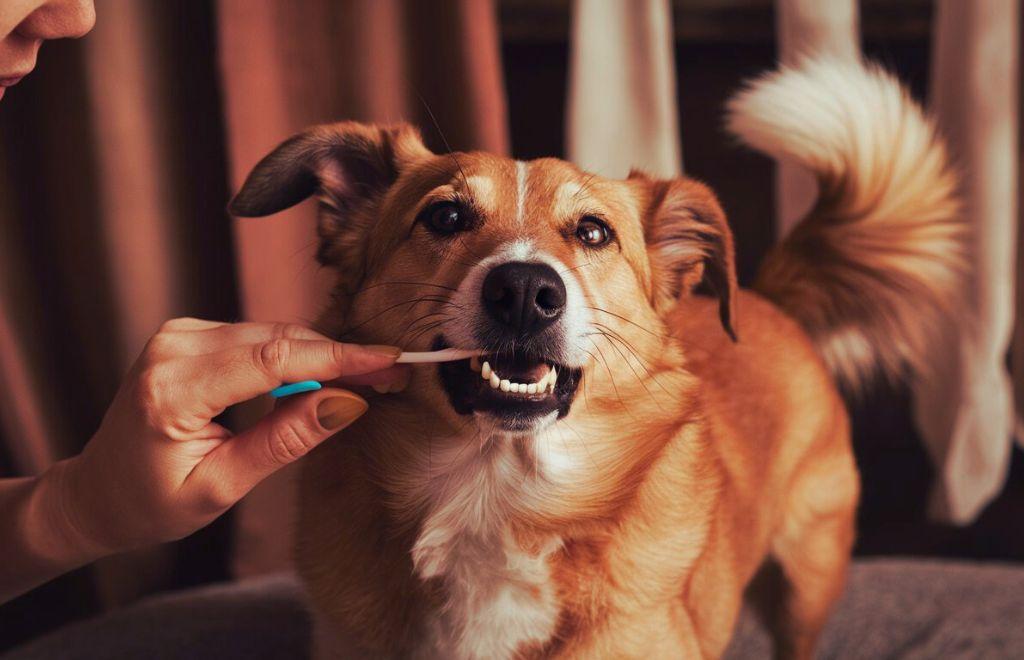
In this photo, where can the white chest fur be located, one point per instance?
(500, 597)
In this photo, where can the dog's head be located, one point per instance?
(562, 277)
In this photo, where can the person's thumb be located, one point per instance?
(283, 436)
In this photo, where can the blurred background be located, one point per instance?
(118, 156)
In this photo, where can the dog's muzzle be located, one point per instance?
(522, 378)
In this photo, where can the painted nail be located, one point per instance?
(380, 349)
(338, 412)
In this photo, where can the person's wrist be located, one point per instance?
(65, 532)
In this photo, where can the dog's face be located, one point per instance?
(556, 274)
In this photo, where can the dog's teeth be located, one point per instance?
(474, 363)
(545, 384)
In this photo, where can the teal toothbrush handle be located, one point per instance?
(295, 388)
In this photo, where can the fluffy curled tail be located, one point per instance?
(880, 257)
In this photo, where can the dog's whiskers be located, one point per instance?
(615, 344)
(402, 283)
(611, 378)
(413, 302)
(629, 321)
(642, 360)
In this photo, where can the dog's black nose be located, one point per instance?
(524, 297)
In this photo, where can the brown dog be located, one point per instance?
(606, 481)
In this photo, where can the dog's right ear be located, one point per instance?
(340, 160)
(349, 165)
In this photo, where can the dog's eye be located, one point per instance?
(592, 232)
(445, 218)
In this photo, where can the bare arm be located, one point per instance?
(38, 541)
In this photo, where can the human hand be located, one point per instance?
(159, 468)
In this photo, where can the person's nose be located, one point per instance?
(523, 297)
(59, 19)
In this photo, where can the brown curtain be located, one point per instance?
(112, 221)
(117, 158)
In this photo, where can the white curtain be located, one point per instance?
(622, 108)
(966, 410)
(806, 28)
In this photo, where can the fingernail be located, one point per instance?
(339, 411)
(381, 388)
(387, 351)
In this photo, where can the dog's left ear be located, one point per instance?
(689, 245)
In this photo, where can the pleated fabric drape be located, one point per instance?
(808, 28)
(435, 64)
(622, 109)
(966, 411)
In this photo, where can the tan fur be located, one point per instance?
(630, 528)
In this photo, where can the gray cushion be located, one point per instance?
(913, 609)
(892, 609)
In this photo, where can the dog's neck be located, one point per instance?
(489, 508)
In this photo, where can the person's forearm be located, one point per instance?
(39, 539)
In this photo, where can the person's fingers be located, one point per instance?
(251, 333)
(205, 340)
(283, 436)
(237, 374)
